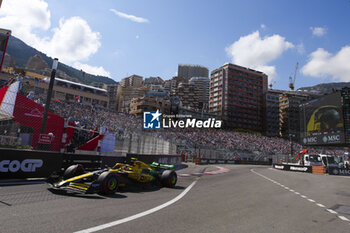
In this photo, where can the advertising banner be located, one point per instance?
(293, 168)
(322, 121)
(339, 171)
(19, 164)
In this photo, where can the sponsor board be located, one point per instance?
(212, 161)
(19, 164)
(294, 168)
(299, 169)
(339, 171)
(27, 165)
(281, 167)
(321, 139)
(203, 161)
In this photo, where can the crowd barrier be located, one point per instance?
(22, 164)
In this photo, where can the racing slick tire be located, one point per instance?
(108, 183)
(168, 178)
(73, 170)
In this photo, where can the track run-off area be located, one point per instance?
(207, 198)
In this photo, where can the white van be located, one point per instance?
(328, 161)
(312, 160)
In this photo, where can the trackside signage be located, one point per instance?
(294, 168)
(339, 171)
(27, 165)
(19, 164)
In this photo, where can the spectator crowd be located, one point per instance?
(122, 124)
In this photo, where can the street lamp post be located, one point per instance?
(49, 94)
(45, 146)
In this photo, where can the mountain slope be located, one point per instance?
(325, 88)
(22, 52)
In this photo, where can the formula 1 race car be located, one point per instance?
(107, 181)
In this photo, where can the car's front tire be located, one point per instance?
(108, 182)
(73, 170)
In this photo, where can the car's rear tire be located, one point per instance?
(73, 170)
(108, 183)
(168, 178)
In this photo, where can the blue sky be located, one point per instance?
(151, 37)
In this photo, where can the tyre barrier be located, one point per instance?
(318, 170)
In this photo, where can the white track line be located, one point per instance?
(303, 196)
(139, 215)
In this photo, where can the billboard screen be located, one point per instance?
(322, 121)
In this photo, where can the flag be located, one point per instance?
(77, 99)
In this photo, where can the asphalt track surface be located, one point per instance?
(245, 199)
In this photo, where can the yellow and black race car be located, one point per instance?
(107, 181)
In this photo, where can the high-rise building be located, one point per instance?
(202, 83)
(188, 94)
(272, 113)
(132, 81)
(190, 71)
(237, 95)
(289, 114)
(112, 90)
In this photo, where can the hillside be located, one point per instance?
(22, 52)
(325, 88)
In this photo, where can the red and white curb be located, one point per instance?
(302, 196)
(221, 170)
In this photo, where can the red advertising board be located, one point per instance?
(45, 139)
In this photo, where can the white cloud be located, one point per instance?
(323, 64)
(255, 52)
(96, 70)
(23, 16)
(72, 41)
(318, 31)
(130, 17)
(262, 26)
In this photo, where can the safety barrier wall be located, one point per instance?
(19, 164)
(149, 158)
(22, 164)
(225, 161)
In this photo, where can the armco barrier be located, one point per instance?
(294, 168)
